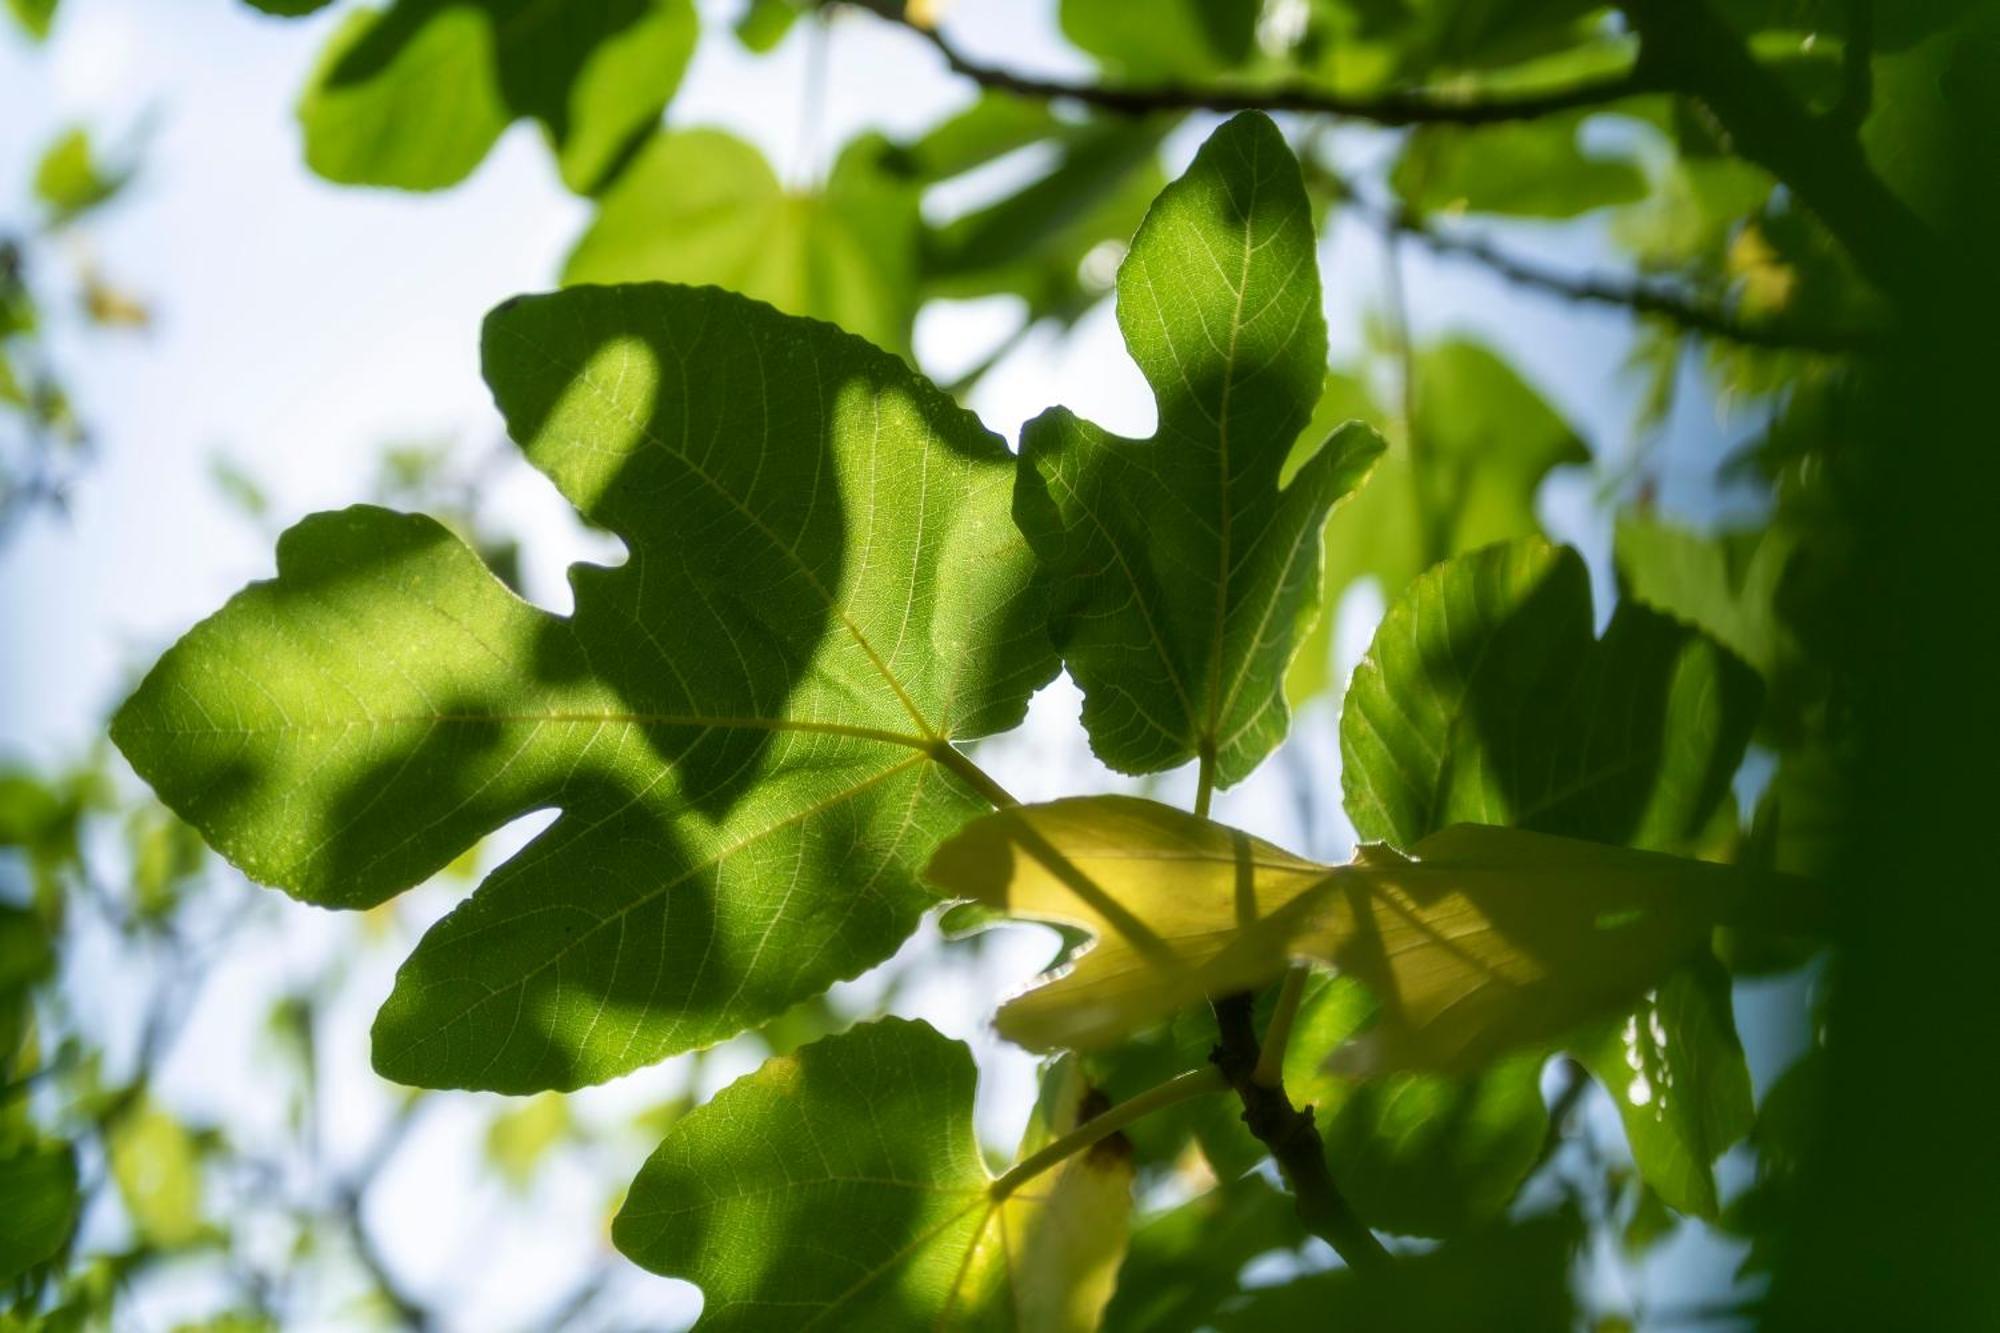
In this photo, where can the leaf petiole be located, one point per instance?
(1194, 1083)
(1204, 788)
(975, 777)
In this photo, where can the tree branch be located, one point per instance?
(1389, 108)
(1646, 298)
(1293, 1141)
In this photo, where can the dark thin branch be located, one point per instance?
(1390, 108)
(350, 1195)
(1576, 1083)
(1646, 298)
(1288, 1132)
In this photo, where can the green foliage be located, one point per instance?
(1516, 1276)
(1486, 697)
(157, 1164)
(1419, 1153)
(1535, 169)
(71, 181)
(750, 779)
(414, 95)
(1487, 441)
(1165, 41)
(1726, 586)
(868, 1137)
(1035, 242)
(35, 16)
(1183, 1264)
(753, 730)
(702, 206)
(1179, 569)
(1676, 1072)
(38, 1202)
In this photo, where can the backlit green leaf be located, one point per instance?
(38, 1204)
(70, 180)
(1489, 440)
(1726, 586)
(1531, 168)
(1163, 40)
(1485, 697)
(1182, 575)
(747, 725)
(34, 16)
(1491, 940)
(157, 1165)
(1675, 1069)
(1033, 243)
(413, 96)
(702, 206)
(841, 1187)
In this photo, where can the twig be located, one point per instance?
(1645, 298)
(411, 1313)
(1194, 1083)
(1288, 1132)
(1577, 1082)
(1390, 108)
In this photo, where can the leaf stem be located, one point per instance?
(960, 763)
(1294, 1143)
(1270, 1070)
(1204, 783)
(1194, 1083)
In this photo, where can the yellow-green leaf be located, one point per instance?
(1481, 941)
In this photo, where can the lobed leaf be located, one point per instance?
(1182, 574)
(841, 1187)
(1486, 697)
(747, 726)
(1481, 941)
(1182, 909)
